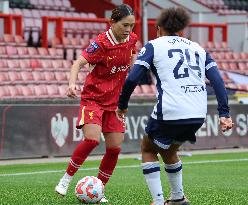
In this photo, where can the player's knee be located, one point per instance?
(147, 146)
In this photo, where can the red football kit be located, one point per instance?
(109, 65)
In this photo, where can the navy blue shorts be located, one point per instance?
(164, 134)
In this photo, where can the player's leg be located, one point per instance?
(113, 143)
(91, 120)
(113, 131)
(151, 170)
(173, 168)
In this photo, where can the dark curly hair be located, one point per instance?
(173, 19)
(121, 11)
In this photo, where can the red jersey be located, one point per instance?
(110, 62)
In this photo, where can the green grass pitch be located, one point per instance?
(214, 179)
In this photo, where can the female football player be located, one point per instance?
(110, 56)
(180, 67)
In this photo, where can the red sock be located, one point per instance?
(79, 155)
(108, 164)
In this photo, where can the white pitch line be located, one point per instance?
(121, 167)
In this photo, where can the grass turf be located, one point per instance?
(215, 179)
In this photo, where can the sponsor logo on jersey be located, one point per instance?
(119, 69)
(92, 47)
(193, 88)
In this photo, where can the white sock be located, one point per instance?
(174, 173)
(151, 171)
(67, 177)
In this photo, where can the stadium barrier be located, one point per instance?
(8, 21)
(48, 129)
(211, 27)
(59, 21)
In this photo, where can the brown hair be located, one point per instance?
(121, 11)
(173, 19)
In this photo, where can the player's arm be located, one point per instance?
(77, 65)
(138, 71)
(213, 75)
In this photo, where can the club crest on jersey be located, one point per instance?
(92, 47)
(91, 114)
(142, 51)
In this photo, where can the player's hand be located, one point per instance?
(72, 90)
(226, 123)
(121, 114)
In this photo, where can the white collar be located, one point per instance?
(112, 39)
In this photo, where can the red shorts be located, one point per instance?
(95, 115)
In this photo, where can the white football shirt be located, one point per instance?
(179, 66)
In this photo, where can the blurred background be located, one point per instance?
(40, 39)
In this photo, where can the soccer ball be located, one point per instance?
(89, 190)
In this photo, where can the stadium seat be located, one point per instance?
(226, 77)
(233, 66)
(244, 56)
(147, 90)
(43, 52)
(9, 40)
(32, 51)
(52, 90)
(3, 52)
(228, 55)
(49, 76)
(68, 75)
(57, 64)
(242, 66)
(67, 64)
(26, 76)
(14, 91)
(3, 65)
(25, 90)
(19, 41)
(56, 53)
(35, 63)
(46, 64)
(40, 90)
(137, 91)
(13, 64)
(25, 64)
(76, 43)
(4, 77)
(14, 76)
(36, 13)
(70, 54)
(23, 52)
(62, 90)
(60, 76)
(4, 92)
(38, 76)
(225, 66)
(11, 52)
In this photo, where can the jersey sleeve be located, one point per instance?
(213, 75)
(145, 56)
(94, 53)
(209, 63)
